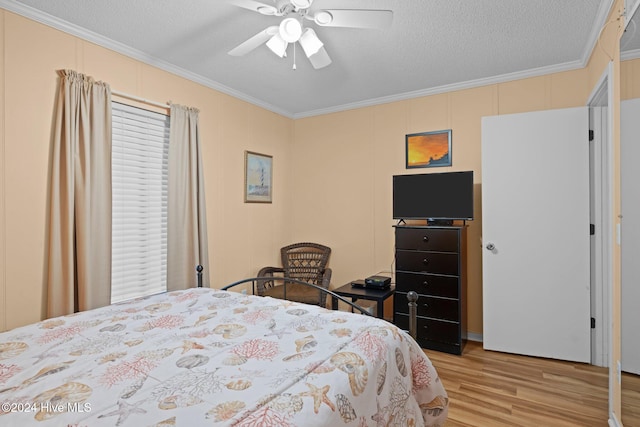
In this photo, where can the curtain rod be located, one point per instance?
(139, 99)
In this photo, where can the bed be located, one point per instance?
(211, 357)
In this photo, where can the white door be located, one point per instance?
(630, 234)
(535, 227)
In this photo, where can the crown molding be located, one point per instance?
(596, 30)
(630, 54)
(600, 22)
(503, 78)
(90, 36)
(67, 27)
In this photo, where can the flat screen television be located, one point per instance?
(433, 196)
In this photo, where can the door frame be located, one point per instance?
(601, 189)
(600, 104)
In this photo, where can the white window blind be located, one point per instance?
(140, 151)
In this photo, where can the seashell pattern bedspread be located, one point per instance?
(203, 357)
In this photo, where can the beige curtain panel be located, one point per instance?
(187, 216)
(79, 267)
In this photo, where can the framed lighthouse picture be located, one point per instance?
(258, 173)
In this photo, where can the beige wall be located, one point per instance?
(342, 162)
(630, 79)
(3, 290)
(242, 236)
(356, 152)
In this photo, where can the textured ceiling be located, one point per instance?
(630, 42)
(432, 45)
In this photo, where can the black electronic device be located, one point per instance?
(358, 284)
(436, 197)
(377, 282)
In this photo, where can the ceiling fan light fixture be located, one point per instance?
(290, 30)
(278, 45)
(323, 17)
(302, 4)
(310, 42)
(321, 59)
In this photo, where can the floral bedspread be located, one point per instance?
(208, 357)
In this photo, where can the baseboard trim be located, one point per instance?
(613, 421)
(472, 336)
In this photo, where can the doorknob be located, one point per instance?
(491, 246)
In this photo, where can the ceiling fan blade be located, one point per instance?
(366, 18)
(254, 42)
(256, 6)
(320, 59)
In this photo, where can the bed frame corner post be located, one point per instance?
(199, 269)
(412, 296)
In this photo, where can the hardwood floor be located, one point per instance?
(491, 389)
(630, 400)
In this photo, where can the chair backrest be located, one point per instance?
(305, 261)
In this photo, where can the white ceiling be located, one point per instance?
(432, 45)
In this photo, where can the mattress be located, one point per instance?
(216, 358)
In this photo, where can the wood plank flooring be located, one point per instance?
(630, 400)
(491, 389)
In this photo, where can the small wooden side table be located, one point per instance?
(356, 293)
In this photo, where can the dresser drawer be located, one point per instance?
(433, 307)
(430, 329)
(427, 239)
(427, 284)
(427, 262)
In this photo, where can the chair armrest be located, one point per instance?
(326, 282)
(326, 278)
(263, 285)
(268, 271)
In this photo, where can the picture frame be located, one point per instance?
(428, 149)
(258, 174)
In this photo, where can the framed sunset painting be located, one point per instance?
(428, 149)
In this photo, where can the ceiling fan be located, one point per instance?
(292, 29)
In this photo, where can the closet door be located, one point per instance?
(535, 226)
(630, 234)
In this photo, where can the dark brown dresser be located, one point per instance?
(431, 261)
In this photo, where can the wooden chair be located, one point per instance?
(301, 261)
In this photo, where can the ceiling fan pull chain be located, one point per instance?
(294, 56)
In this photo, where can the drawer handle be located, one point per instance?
(425, 261)
(425, 305)
(425, 283)
(425, 239)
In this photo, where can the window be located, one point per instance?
(140, 153)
